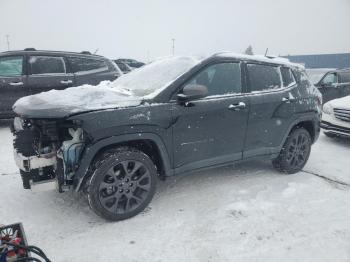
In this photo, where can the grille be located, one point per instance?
(342, 114)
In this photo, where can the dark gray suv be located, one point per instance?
(169, 117)
(29, 72)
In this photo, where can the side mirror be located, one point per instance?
(192, 92)
(323, 84)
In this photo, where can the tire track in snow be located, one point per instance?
(330, 180)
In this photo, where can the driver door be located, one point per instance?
(328, 87)
(211, 130)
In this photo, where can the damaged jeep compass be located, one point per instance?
(175, 115)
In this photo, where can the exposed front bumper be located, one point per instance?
(33, 162)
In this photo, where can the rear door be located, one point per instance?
(48, 72)
(90, 70)
(12, 83)
(272, 102)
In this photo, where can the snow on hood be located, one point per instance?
(343, 103)
(78, 99)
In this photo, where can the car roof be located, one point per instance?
(336, 70)
(50, 52)
(347, 70)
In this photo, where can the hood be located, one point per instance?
(342, 103)
(74, 100)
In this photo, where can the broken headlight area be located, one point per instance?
(47, 152)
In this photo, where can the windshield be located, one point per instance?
(151, 79)
(316, 74)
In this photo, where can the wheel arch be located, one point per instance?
(149, 143)
(310, 123)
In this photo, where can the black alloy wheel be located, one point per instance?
(295, 152)
(122, 185)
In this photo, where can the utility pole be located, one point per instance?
(173, 39)
(8, 42)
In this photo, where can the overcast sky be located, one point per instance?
(144, 29)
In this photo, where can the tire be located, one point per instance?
(331, 135)
(295, 152)
(122, 184)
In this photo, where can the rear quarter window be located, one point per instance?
(287, 77)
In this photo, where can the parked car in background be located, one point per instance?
(336, 117)
(332, 83)
(173, 116)
(123, 67)
(31, 71)
(130, 62)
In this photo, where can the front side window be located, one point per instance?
(330, 78)
(263, 77)
(11, 66)
(220, 79)
(47, 65)
(80, 64)
(287, 77)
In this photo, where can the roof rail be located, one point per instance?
(85, 52)
(29, 49)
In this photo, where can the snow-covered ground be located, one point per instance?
(248, 212)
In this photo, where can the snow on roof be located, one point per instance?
(260, 58)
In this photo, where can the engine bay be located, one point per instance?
(47, 152)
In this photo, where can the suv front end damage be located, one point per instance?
(47, 152)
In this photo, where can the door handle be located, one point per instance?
(237, 107)
(288, 99)
(66, 82)
(16, 84)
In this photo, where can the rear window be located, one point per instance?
(287, 76)
(345, 77)
(47, 65)
(11, 66)
(263, 77)
(79, 64)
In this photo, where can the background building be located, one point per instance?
(322, 61)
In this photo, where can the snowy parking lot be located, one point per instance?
(246, 212)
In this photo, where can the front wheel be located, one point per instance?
(295, 152)
(122, 184)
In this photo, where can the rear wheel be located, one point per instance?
(295, 152)
(122, 184)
